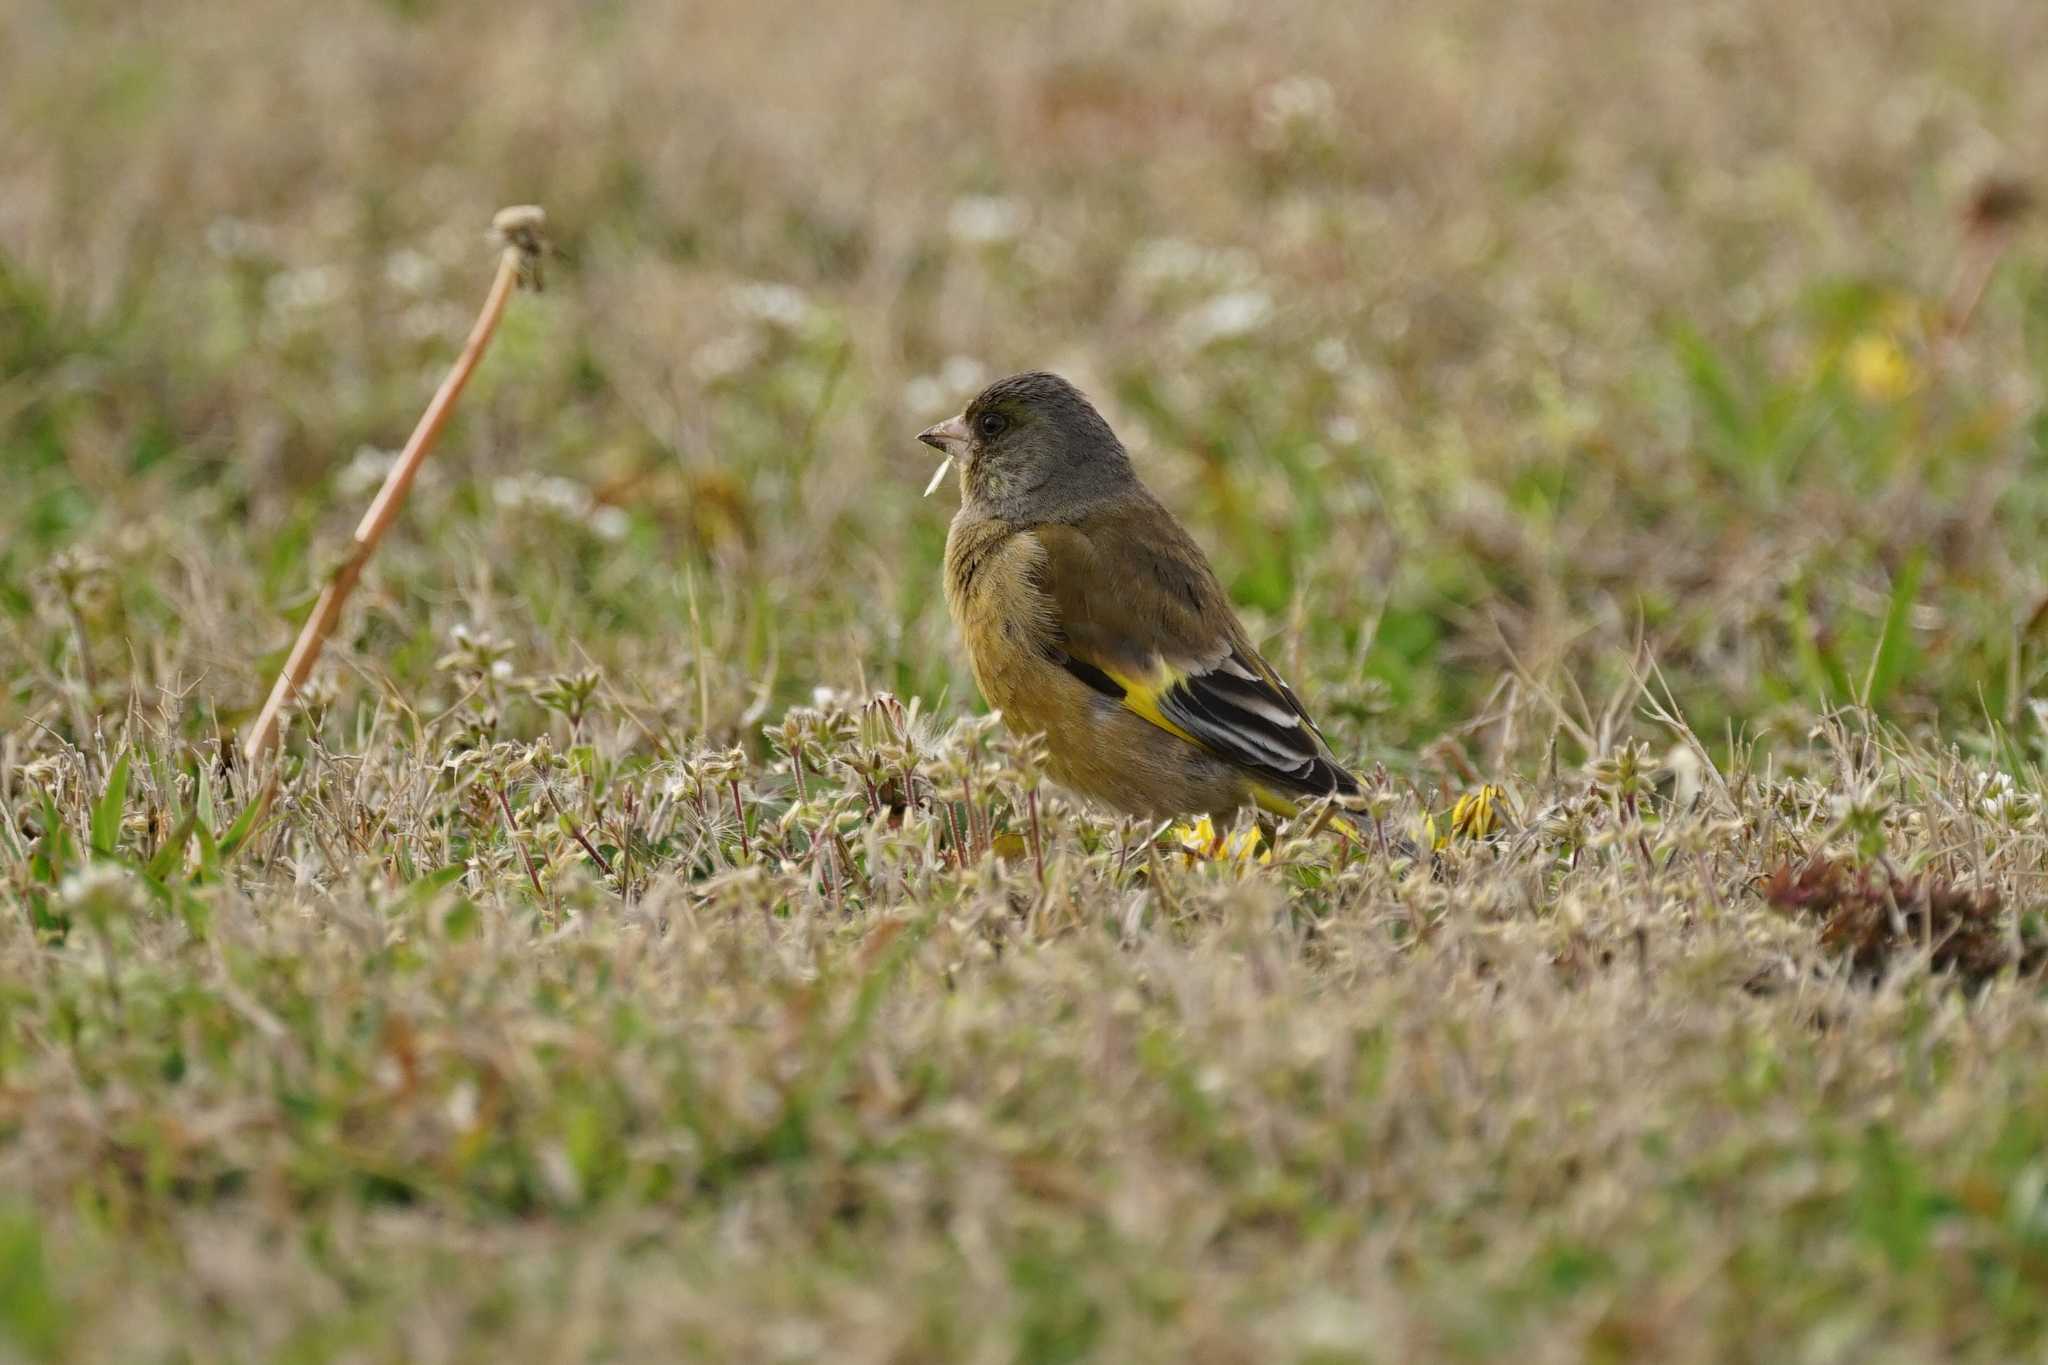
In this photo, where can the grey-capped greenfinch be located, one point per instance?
(1092, 617)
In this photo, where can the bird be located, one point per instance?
(1090, 616)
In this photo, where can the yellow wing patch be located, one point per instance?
(1275, 803)
(1142, 697)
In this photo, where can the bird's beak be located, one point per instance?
(948, 436)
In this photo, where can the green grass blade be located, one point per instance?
(1894, 652)
(107, 811)
(240, 831)
(166, 860)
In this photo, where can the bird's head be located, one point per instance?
(1032, 448)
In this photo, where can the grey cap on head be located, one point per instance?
(1033, 448)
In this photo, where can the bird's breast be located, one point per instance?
(992, 575)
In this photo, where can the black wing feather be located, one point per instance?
(1241, 713)
(1089, 674)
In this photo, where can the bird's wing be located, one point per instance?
(1139, 616)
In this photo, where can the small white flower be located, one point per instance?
(1998, 799)
(947, 390)
(462, 1107)
(726, 357)
(314, 286)
(430, 319)
(1236, 314)
(1166, 260)
(984, 220)
(779, 305)
(100, 889)
(1296, 104)
(924, 394)
(963, 373)
(554, 495)
(410, 270)
(366, 470)
(558, 1174)
(566, 496)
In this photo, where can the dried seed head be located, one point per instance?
(523, 228)
(1627, 771)
(81, 579)
(1998, 201)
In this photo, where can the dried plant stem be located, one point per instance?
(846, 862)
(739, 813)
(512, 833)
(86, 674)
(975, 843)
(519, 229)
(1994, 211)
(829, 874)
(1037, 838)
(1973, 274)
(576, 833)
(953, 833)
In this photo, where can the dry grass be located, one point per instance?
(1564, 391)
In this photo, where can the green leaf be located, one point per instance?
(1712, 389)
(106, 812)
(175, 898)
(55, 852)
(1894, 652)
(166, 860)
(1824, 673)
(32, 1314)
(421, 890)
(204, 799)
(211, 869)
(163, 776)
(1895, 1206)
(461, 921)
(238, 833)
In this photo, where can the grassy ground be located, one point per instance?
(1568, 393)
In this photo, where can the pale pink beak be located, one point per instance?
(947, 436)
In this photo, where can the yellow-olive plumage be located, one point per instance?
(1092, 618)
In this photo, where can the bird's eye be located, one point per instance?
(992, 423)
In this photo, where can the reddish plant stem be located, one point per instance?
(739, 811)
(512, 833)
(576, 833)
(513, 261)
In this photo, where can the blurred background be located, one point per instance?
(1491, 350)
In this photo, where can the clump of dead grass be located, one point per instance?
(1874, 917)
